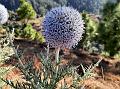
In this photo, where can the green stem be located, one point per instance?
(57, 55)
(47, 51)
(57, 50)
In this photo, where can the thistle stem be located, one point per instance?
(48, 51)
(57, 50)
(57, 55)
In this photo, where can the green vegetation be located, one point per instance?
(93, 6)
(109, 29)
(29, 33)
(6, 50)
(25, 11)
(91, 26)
(42, 6)
(50, 74)
(102, 35)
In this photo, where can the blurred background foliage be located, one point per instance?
(109, 28)
(91, 25)
(25, 10)
(102, 32)
(41, 6)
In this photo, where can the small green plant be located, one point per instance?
(26, 11)
(109, 29)
(6, 50)
(28, 32)
(89, 41)
(25, 32)
(50, 74)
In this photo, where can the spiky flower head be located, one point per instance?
(3, 14)
(63, 27)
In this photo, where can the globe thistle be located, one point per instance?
(63, 27)
(3, 14)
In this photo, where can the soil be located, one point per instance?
(107, 73)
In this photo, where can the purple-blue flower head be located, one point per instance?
(3, 14)
(63, 27)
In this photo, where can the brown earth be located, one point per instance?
(108, 71)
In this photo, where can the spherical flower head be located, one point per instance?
(63, 27)
(3, 14)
